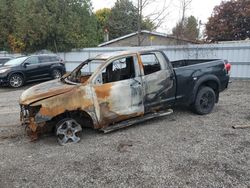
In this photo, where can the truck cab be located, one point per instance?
(131, 85)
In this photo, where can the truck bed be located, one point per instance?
(187, 62)
(188, 72)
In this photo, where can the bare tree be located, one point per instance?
(139, 21)
(157, 16)
(184, 6)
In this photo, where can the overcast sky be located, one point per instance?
(201, 9)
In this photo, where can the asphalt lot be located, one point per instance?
(181, 150)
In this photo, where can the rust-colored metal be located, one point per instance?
(44, 90)
(105, 104)
(140, 63)
(103, 91)
(83, 79)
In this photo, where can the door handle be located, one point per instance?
(135, 84)
(138, 83)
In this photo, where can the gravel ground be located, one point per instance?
(181, 150)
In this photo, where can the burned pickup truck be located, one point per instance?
(119, 89)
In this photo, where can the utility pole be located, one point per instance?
(139, 21)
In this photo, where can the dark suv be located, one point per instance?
(20, 70)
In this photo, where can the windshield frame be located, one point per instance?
(79, 67)
(18, 61)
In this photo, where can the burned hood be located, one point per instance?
(44, 90)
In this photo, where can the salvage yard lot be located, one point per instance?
(181, 150)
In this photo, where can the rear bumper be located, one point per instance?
(224, 83)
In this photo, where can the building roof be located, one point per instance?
(145, 32)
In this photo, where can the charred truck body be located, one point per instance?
(119, 89)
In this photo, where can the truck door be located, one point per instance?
(118, 92)
(158, 81)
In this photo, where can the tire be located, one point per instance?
(68, 130)
(16, 80)
(56, 74)
(205, 101)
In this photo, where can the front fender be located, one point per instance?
(76, 99)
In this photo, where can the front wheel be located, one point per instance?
(205, 101)
(68, 130)
(16, 80)
(56, 74)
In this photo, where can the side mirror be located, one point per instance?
(25, 64)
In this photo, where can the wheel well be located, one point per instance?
(80, 116)
(56, 68)
(212, 84)
(16, 73)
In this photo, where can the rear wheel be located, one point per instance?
(205, 100)
(56, 74)
(68, 130)
(16, 80)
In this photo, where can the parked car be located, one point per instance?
(116, 90)
(18, 71)
(4, 59)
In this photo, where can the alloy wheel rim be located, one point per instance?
(56, 74)
(68, 131)
(206, 101)
(15, 81)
